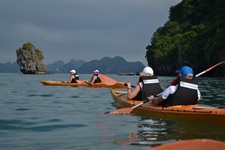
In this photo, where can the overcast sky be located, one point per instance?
(81, 29)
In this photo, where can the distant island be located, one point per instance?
(106, 65)
(29, 59)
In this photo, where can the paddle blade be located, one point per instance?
(122, 111)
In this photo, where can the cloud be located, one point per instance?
(81, 29)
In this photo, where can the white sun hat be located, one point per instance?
(96, 71)
(148, 70)
(73, 71)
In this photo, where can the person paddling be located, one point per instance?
(186, 92)
(147, 85)
(74, 76)
(95, 78)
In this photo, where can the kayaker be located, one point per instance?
(147, 85)
(95, 78)
(186, 92)
(74, 76)
(175, 81)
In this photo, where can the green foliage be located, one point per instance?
(39, 54)
(193, 34)
(28, 46)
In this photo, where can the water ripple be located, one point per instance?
(22, 109)
(21, 125)
(54, 127)
(75, 96)
(41, 95)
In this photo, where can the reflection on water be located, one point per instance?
(153, 132)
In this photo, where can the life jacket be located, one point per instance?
(150, 87)
(186, 93)
(97, 80)
(74, 80)
(76, 76)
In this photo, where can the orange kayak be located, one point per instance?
(196, 144)
(197, 113)
(58, 83)
(107, 82)
(83, 83)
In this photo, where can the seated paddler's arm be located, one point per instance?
(132, 93)
(93, 79)
(71, 78)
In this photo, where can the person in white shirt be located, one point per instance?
(187, 94)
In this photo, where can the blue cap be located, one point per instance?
(186, 70)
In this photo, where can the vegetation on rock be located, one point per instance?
(194, 35)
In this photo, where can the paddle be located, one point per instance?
(129, 110)
(207, 70)
(131, 85)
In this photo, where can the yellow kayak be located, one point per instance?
(195, 113)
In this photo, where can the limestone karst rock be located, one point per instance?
(30, 59)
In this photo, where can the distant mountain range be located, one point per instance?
(9, 67)
(106, 65)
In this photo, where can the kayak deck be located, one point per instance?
(188, 112)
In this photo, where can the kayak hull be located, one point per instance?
(57, 83)
(195, 144)
(195, 113)
(83, 83)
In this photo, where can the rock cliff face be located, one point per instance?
(30, 60)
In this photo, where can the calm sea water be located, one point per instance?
(37, 117)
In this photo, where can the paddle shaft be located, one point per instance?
(140, 104)
(131, 85)
(207, 70)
